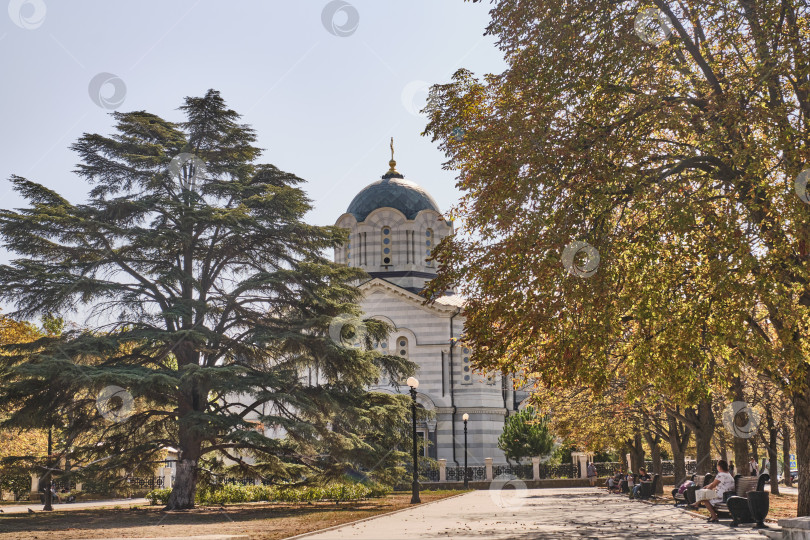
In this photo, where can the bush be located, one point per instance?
(18, 484)
(378, 490)
(159, 496)
(231, 494)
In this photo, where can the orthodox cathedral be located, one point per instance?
(394, 224)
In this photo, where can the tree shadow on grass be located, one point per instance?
(149, 516)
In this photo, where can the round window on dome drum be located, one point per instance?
(385, 241)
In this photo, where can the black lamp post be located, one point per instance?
(465, 418)
(414, 384)
(49, 484)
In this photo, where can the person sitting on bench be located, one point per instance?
(643, 476)
(613, 481)
(55, 495)
(723, 483)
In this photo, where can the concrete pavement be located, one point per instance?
(538, 514)
(784, 490)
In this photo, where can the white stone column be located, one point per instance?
(167, 477)
(536, 468)
(34, 494)
(442, 470)
(488, 462)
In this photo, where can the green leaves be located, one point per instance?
(525, 435)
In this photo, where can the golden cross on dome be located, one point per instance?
(392, 163)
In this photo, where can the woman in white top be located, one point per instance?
(723, 483)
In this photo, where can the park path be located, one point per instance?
(538, 514)
(66, 507)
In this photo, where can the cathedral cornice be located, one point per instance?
(472, 410)
(379, 283)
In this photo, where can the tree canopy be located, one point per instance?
(210, 300)
(634, 197)
(525, 435)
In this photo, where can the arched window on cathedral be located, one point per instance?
(466, 369)
(402, 347)
(347, 252)
(386, 244)
(428, 245)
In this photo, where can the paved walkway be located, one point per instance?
(539, 514)
(66, 507)
(784, 490)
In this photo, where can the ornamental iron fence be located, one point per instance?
(524, 472)
(233, 481)
(428, 471)
(150, 482)
(607, 468)
(476, 473)
(563, 470)
(63, 485)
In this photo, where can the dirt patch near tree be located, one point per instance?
(263, 521)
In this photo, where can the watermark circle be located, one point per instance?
(576, 249)
(508, 492)
(188, 168)
(340, 18)
(115, 404)
(741, 420)
(800, 185)
(652, 26)
(337, 325)
(416, 96)
(27, 14)
(98, 90)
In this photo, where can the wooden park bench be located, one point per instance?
(680, 498)
(749, 503)
(688, 496)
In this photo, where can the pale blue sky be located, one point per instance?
(324, 106)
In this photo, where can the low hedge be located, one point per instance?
(229, 494)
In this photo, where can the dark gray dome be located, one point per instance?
(392, 192)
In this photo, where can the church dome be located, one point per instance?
(399, 193)
(392, 191)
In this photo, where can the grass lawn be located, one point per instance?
(257, 520)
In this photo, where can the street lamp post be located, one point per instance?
(465, 418)
(49, 485)
(414, 384)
